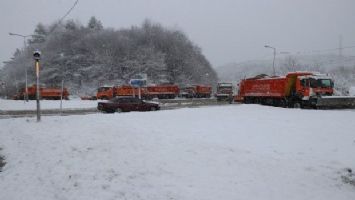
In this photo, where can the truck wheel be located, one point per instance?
(119, 110)
(230, 100)
(153, 109)
(282, 104)
(296, 105)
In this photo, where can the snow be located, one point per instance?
(352, 91)
(45, 104)
(220, 152)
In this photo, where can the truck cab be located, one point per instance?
(224, 92)
(315, 85)
(105, 92)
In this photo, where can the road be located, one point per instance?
(165, 104)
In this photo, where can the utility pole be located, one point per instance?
(61, 98)
(24, 51)
(340, 46)
(341, 59)
(26, 86)
(273, 61)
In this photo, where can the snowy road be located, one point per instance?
(7, 105)
(225, 152)
(17, 105)
(14, 108)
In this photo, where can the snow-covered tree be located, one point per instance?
(40, 33)
(86, 57)
(95, 24)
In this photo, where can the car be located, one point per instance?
(127, 104)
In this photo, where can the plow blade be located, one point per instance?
(336, 102)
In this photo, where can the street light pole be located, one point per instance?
(37, 57)
(273, 61)
(24, 50)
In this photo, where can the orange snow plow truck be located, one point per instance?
(149, 92)
(108, 92)
(296, 90)
(49, 93)
(196, 91)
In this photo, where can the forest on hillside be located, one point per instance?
(89, 56)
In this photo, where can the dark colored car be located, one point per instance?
(126, 104)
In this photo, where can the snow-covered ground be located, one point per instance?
(225, 152)
(45, 104)
(352, 91)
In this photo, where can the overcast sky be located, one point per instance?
(226, 30)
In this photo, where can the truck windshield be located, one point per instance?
(314, 83)
(225, 87)
(325, 83)
(102, 89)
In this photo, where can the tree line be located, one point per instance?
(88, 56)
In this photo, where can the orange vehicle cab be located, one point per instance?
(224, 92)
(105, 92)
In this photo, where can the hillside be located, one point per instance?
(86, 57)
(342, 69)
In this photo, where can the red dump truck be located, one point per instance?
(196, 91)
(127, 90)
(203, 91)
(169, 91)
(296, 89)
(49, 93)
(108, 92)
(149, 92)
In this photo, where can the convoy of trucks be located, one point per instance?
(295, 89)
(165, 91)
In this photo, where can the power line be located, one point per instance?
(340, 48)
(69, 11)
(334, 49)
(66, 14)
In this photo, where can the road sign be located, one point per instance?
(137, 82)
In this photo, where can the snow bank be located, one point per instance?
(45, 104)
(226, 152)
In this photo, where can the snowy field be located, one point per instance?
(226, 152)
(45, 104)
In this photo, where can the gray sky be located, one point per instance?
(226, 30)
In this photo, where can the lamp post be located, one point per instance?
(24, 49)
(273, 61)
(37, 57)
